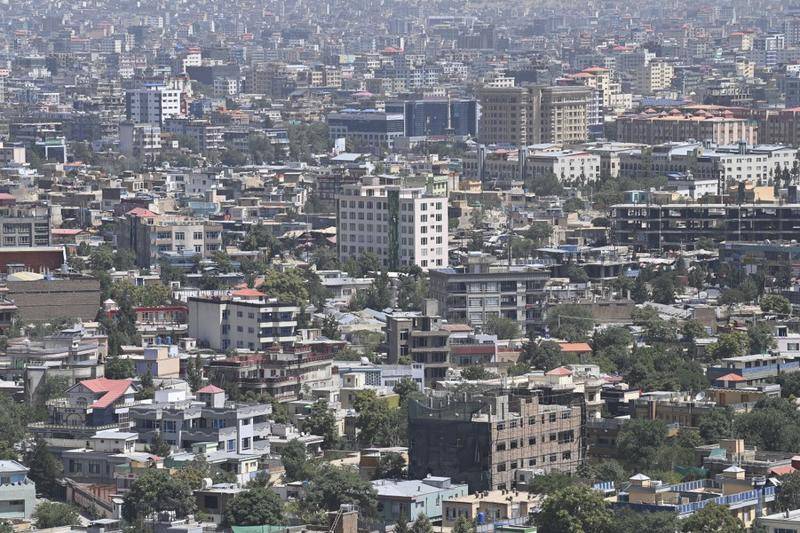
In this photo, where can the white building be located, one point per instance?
(247, 319)
(152, 104)
(139, 140)
(402, 226)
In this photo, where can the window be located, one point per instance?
(501, 467)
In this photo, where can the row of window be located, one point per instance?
(533, 461)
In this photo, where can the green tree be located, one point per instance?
(256, 506)
(773, 425)
(411, 292)
(331, 486)
(657, 522)
(476, 373)
(401, 526)
(664, 289)
(295, 461)
(760, 338)
(730, 345)
(575, 509)
(550, 483)
(377, 423)
(777, 304)
(44, 469)
(194, 373)
(639, 292)
(156, 490)
(638, 442)
(504, 328)
(693, 330)
(54, 514)
(788, 498)
(715, 425)
(422, 524)
(119, 368)
(159, 446)
(570, 321)
(544, 355)
(321, 421)
(391, 465)
(464, 525)
(406, 388)
(330, 327)
(713, 518)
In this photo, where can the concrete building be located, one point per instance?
(148, 235)
(480, 290)
(485, 440)
(529, 115)
(651, 227)
(509, 507)
(409, 497)
(651, 127)
(280, 373)
(247, 319)
(17, 492)
(153, 104)
(419, 337)
(36, 298)
(140, 140)
(202, 132)
(183, 421)
(402, 226)
(438, 117)
(373, 130)
(723, 164)
(25, 225)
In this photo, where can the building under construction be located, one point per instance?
(493, 439)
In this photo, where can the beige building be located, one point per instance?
(657, 128)
(494, 505)
(531, 115)
(655, 76)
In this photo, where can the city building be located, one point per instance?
(140, 140)
(670, 226)
(371, 130)
(420, 338)
(403, 498)
(652, 127)
(425, 118)
(481, 289)
(246, 319)
(152, 105)
(402, 226)
(17, 492)
(484, 440)
(25, 225)
(522, 116)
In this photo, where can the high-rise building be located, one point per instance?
(152, 104)
(532, 115)
(432, 117)
(402, 226)
(373, 130)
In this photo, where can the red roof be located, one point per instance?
(730, 377)
(65, 231)
(560, 371)
(575, 347)
(113, 389)
(141, 212)
(247, 293)
(782, 470)
(210, 389)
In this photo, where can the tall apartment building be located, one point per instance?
(779, 126)
(402, 226)
(480, 290)
(247, 319)
(148, 234)
(419, 337)
(532, 115)
(674, 226)
(655, 76)
(25, 225)
(486, 440)
(152, 104)
(141, 141)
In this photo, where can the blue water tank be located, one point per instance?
(481, 518)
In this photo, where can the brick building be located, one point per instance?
(486, 439)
